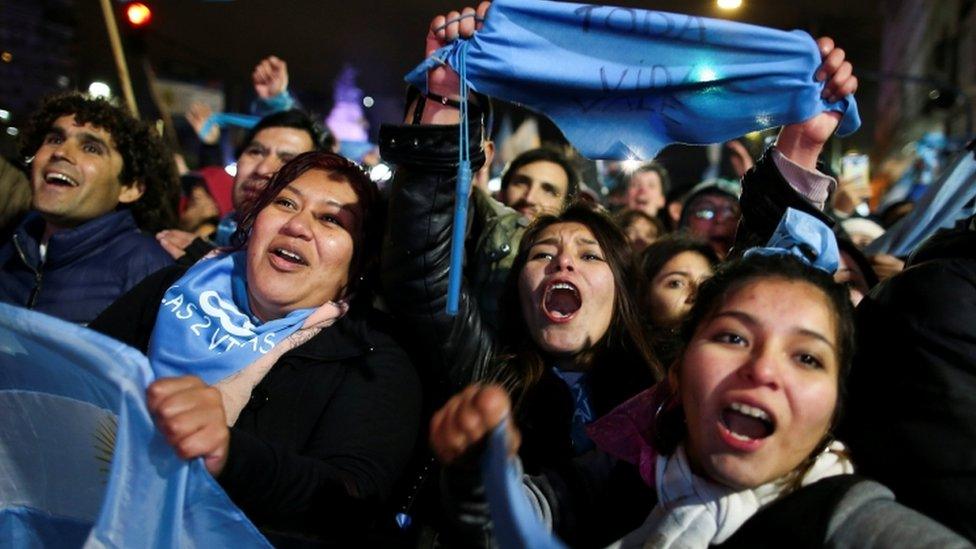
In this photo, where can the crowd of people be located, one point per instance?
(666, 375)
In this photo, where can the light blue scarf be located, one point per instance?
(623, 82)
(804, 237)
(205, 327)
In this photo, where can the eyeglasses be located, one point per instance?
(715, 213)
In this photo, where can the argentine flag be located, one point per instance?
(81, 462)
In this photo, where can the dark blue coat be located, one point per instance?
(86, 268)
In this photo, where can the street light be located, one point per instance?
(99, 89)
(138, 14)
(729, 4)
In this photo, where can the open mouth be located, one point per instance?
(289, 256)
(60, 180)
(561, 301)
(747, 423)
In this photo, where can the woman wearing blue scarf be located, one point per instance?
(273, 366)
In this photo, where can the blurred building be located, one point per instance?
(36, 57)
(927, 73)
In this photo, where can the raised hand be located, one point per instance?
(270, 77)
(197, 116)
(459, 427)
(803, 142)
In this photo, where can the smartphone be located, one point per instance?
(854, 169)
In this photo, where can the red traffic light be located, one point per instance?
(138, 14)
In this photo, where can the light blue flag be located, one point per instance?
(943, 204)
(81, 463)
(623, 82)
(515, 523)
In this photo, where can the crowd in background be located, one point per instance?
(661, 377)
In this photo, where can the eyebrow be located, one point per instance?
(669, 273)
(551, 241)
(90, 137)
(751, 321)
(353, 209)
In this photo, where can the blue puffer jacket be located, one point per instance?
(86, 268)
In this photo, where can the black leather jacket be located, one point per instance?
(416, 255)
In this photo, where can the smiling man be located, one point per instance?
(99, 177)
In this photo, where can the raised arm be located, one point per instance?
(786, 176)
(416, 253)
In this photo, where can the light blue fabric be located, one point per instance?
(224, 119)
(942, 205)
(579, 386)
(81, 462)
(205, 328)
(276, 103)
(623, 82)
(804, 237)
(225, 230)
(355, 150)
(917, 178)
(515, 523)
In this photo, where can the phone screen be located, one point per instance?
(854, 169)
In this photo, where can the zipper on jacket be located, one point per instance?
(32, 300)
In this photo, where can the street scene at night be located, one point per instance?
(517, 274)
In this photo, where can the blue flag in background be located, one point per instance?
(81, 462)
(623, 82)
(945, 202)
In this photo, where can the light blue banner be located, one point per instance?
(945, 202)
(81, 462)
(624, 82)
(515, 523)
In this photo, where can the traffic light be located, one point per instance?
(137, 14)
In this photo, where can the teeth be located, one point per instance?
(562, 286)
(750, 411)
(738, 436)
(60, 177)
(290, 255)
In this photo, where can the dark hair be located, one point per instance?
(860, 260)
(366, 248)
(624, 218)
(146, 160)
(655, 256)
(322, 139)
(670, 429)
(623, 347)
(545, 154)
(660, 170)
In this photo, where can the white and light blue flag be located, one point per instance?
(81, 462)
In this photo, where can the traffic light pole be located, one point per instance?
(113, 37)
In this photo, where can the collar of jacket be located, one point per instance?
(347, 338)
(68, 245)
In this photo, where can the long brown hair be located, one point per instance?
(622, 347)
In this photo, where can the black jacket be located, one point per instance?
(86, 268)
(459, 350)
(911, 408)
(765, 197)
(316, 451)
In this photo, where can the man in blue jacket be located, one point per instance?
(99, 178)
